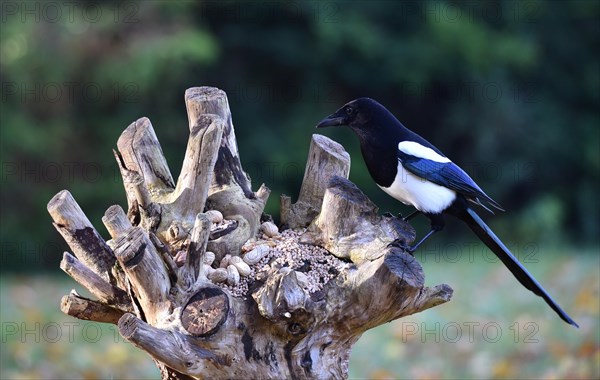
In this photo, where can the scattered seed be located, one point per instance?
(315, 266)
(214, 216)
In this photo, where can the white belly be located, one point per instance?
(425, 196)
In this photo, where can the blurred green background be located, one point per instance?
(510, 90)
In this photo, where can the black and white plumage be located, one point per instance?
(413, 171)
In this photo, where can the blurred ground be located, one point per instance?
(492, 328)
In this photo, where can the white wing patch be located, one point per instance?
(425, 196)
(417, 150)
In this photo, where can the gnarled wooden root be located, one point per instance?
(166, 275)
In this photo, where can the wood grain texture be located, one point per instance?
(145, 271)
(141, 152)
(348, 225)
(326, 159)
(83, 239)
(106, 292)
(89, 310)
(115, 220)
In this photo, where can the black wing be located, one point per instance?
(447, 174)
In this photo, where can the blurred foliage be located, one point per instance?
(509, 90)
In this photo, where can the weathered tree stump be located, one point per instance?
(326, 158)
(192, 277)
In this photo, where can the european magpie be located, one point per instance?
(413, 171)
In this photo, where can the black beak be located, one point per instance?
(332, 121)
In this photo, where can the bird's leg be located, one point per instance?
(437, 224)
(404, 218)
(412, 249)
(410, 216)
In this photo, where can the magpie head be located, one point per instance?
(356, 114)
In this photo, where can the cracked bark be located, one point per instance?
(193, 328)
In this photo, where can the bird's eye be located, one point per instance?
(349, 110)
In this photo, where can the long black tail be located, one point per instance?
(493, 242)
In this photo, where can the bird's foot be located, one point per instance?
(409, 216)
(390, 215)
(400, 243)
